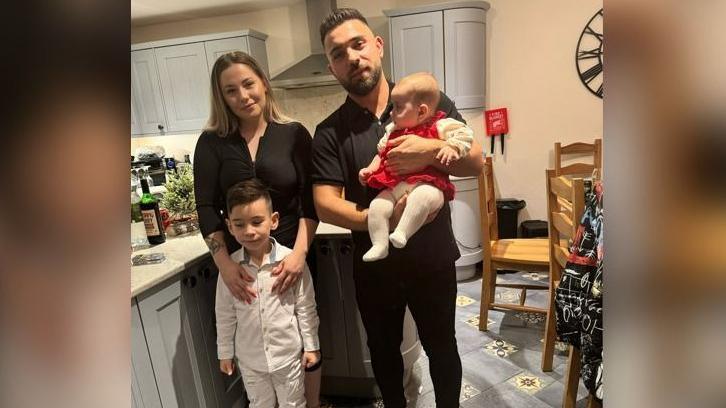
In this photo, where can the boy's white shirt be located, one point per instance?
(288, 322)
(456, 134)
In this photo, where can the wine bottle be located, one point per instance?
(152, 215)
(138, 229)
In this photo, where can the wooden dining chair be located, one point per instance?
(579, 149)
(565, 206)
(530, 254)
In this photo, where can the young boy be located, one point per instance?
(415, 98)
(267, 335)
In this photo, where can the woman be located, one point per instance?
(247, 136)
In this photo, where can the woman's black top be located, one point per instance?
(282, 162)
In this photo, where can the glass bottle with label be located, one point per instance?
(138, 230)
(152, 216)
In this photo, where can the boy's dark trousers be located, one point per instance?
(383, 289)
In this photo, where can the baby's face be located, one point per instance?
(405, 113)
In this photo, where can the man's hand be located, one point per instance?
(398, 212)
(226, 366)
(447, 154)
(411, 154)
(288, 271)
(237, 279)
(310, 358)
(363, 175)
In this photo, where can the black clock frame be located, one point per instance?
(592, 72)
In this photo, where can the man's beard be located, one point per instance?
(364, 86)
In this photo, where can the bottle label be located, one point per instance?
(151, 223)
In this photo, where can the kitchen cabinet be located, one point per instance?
(144, 393)
(174, 352)
(447, 40)
(184, 78)
(251, 45)
(417, 44)
(347, 369)
(146, 93)
(170, 79)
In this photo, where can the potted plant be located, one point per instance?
(179, 199)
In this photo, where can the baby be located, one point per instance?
(414, 98)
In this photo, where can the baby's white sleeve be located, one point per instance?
(456, 134)
(384, 140)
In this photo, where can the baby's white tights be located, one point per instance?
(422, 199)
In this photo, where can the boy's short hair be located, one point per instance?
(247, 192)
(424, 88)
(338, 17)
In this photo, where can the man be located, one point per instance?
(422, 275)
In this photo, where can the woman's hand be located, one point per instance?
(411, 154)
(226, 366)
(237, 279)
(288, 271)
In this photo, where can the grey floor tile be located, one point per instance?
(469, 338)
(483, 371)
(504, 396)
(532, 361)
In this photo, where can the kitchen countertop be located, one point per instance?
(181, 252)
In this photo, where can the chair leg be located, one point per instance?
(487, 296)
(572, 378)
(550, 336)
(593, 402)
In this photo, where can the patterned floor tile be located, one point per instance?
(500, 348)
(464, 301)
(473, 321)
(530, 383)
(468, 391)
(534, 318)
(507, 296)
(535, 276)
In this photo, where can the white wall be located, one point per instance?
(530, 69)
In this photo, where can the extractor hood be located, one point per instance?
(313, 69)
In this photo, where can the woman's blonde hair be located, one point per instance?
(221, 118)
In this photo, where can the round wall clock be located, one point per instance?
(589, 55)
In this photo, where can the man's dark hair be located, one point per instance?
(338, 17)
(246, 192)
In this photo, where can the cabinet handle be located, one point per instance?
(190, 282)
(161, 127)
(205, 273)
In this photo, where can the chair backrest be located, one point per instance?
(565, 206)
(578, 148)
(488, 204)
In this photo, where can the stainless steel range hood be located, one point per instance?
(313, 69)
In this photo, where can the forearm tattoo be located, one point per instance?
(213, 245)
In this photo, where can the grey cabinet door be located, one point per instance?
(464, 46)
(169, 335)
(228, 390)
(135, 128)
(332, 307)
(146, 93)
(417, 44)
(184, 78)
(144, 393)
(216, 48)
